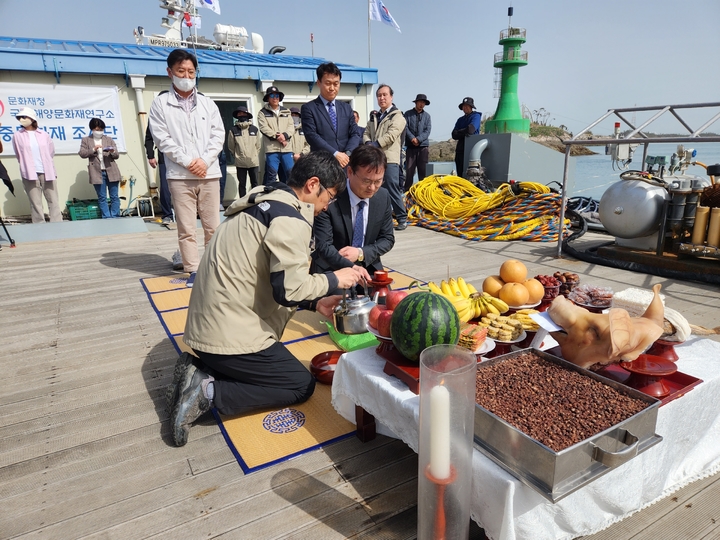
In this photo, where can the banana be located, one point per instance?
(471, 288)
(434, 288)
(455, 288)
(464, 291)
(492, 309)
(501, 306)
(445, 288)
(477, 308)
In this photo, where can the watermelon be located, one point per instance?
(423, 319)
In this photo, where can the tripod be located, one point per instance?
(12, 242)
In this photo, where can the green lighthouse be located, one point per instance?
(508, 116)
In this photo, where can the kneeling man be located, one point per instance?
(357, 229)
(253, 276)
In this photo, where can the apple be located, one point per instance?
(383, 326)
(393, 298)
(375, 313)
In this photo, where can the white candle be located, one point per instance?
(440, 432)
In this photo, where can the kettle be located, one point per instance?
(351, 315)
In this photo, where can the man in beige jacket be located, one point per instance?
(252, 278)
(385, 130)
(276, 125)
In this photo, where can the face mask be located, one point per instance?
(25, 122)
(184, 85)
(296, 120)
(97, 134)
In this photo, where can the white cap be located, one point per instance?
(27, 111)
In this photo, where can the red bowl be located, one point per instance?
(323, 365)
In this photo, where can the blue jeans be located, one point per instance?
(391, 182)
(280, 163)
(112, 189)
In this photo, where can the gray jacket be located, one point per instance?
(418, 125)
(182, 137)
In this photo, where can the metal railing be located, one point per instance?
(513, 33)
(636, 136)
(511, 54)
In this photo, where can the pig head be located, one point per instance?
(605, 338)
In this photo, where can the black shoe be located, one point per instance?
(401, 226)
(171, 394)
(190, 405)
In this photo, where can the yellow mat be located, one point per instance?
(262, 438)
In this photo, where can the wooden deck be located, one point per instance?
(84, 445)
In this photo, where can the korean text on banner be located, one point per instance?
(378, 12)
(64, 111)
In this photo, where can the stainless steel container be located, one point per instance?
(352, 315)
(557, 474)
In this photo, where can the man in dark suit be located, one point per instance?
(329, 124)
(357, 229)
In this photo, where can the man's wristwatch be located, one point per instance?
(361, 255)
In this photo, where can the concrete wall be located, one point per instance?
(228, 93)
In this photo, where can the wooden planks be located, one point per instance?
(84, 446)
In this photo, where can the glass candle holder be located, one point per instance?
(447, 412)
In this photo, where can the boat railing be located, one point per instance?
(637, 136)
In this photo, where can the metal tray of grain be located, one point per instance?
(556, 474)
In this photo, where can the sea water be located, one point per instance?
(594, 174)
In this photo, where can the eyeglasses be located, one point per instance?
(368, 182)
(330, 194)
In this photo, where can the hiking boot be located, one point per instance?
(171, 394)
(177, 260)
(191, 403)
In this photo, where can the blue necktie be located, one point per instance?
(358, 233)
(333, 116)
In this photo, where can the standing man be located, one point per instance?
(276, 125)
(467, 125)
(385, 131)
(254, 275)
(417, 140)
(299, 143)
(357, 229)
(187, 128)
(360, 130)
(159, 163)
(243, 142)
(329, 124)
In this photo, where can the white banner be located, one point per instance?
(63, 111)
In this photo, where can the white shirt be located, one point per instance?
(35, 149)
(354, 200)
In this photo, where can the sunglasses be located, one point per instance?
(20, 117)
(274, 96)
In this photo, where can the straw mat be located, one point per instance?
(262, 438)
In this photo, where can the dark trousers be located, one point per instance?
(391, 182)
(223, 174)
(416, 156)
(165, 199)
(460, 157)
(242, 174)
(269, 378)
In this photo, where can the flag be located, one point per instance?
(191, 21)
(210, 4)
(378, 12)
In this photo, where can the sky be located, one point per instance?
(585, 57)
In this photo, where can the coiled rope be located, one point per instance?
(527, 211)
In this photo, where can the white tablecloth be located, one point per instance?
(509, 510)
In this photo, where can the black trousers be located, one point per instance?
(416, 156)
(242, 174)
(269, 378)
